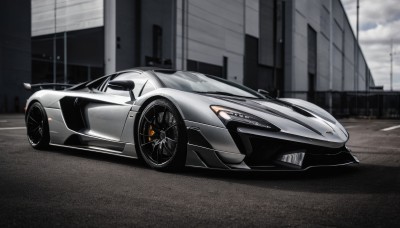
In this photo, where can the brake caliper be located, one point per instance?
(151, 132)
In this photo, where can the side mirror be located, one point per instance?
(124, 85)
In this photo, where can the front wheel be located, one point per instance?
(37, 126)
(162, 136)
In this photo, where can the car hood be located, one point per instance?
(293, 116)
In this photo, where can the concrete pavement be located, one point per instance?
(61, 187)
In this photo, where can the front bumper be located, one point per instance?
(264, 153)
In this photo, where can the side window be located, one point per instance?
(137, 78)
(98, 83)
(102, 86)
(148, 87)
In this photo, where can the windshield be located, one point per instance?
(201, 83)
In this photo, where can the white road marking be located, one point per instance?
(3, 121)
(391, 128)
(11, 128)
(351, 126)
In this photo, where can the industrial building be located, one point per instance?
(290, 48)
(15, 54)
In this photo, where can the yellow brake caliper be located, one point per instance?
(151, 132)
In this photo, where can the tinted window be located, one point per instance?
(137, 78)
(201, 83)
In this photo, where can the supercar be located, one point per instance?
(172, 119)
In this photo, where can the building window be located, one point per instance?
(157, 42)
(205, 68)
(79, 56)
(312, 62)
(311, 87)
(225, 68)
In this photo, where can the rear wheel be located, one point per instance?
(162, 136)
(37, 126)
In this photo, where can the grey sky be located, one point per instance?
(379, 23)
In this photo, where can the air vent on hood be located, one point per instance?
(294, 108)
(302, 111)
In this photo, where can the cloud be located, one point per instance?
(368, 26)
(379, 25)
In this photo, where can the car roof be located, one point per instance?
(146, 69)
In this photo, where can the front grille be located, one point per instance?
(342, 157)
(262, 151)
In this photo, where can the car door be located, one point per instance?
(106, 115)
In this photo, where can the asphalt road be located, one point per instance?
(72, 188)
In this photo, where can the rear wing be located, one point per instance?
(40, 86)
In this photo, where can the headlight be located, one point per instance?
(231, 117)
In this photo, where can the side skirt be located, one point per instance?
(101, 150)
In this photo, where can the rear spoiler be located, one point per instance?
(29, 86)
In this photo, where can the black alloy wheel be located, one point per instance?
(162, 136)
(37, 126)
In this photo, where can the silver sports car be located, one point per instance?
(172, 119)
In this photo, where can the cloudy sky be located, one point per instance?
(379, 24)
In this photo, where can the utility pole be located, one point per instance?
(65, 58)
(391, 65)
(330, 55)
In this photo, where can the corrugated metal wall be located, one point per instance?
(70, 15)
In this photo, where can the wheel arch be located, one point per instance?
(153, 98)
(142, 107)
(45, 124)
(30, 104)
(159, 96)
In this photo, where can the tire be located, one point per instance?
(37, 126)
(162, 136)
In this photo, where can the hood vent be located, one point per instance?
(302, 111)
(294, 108)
